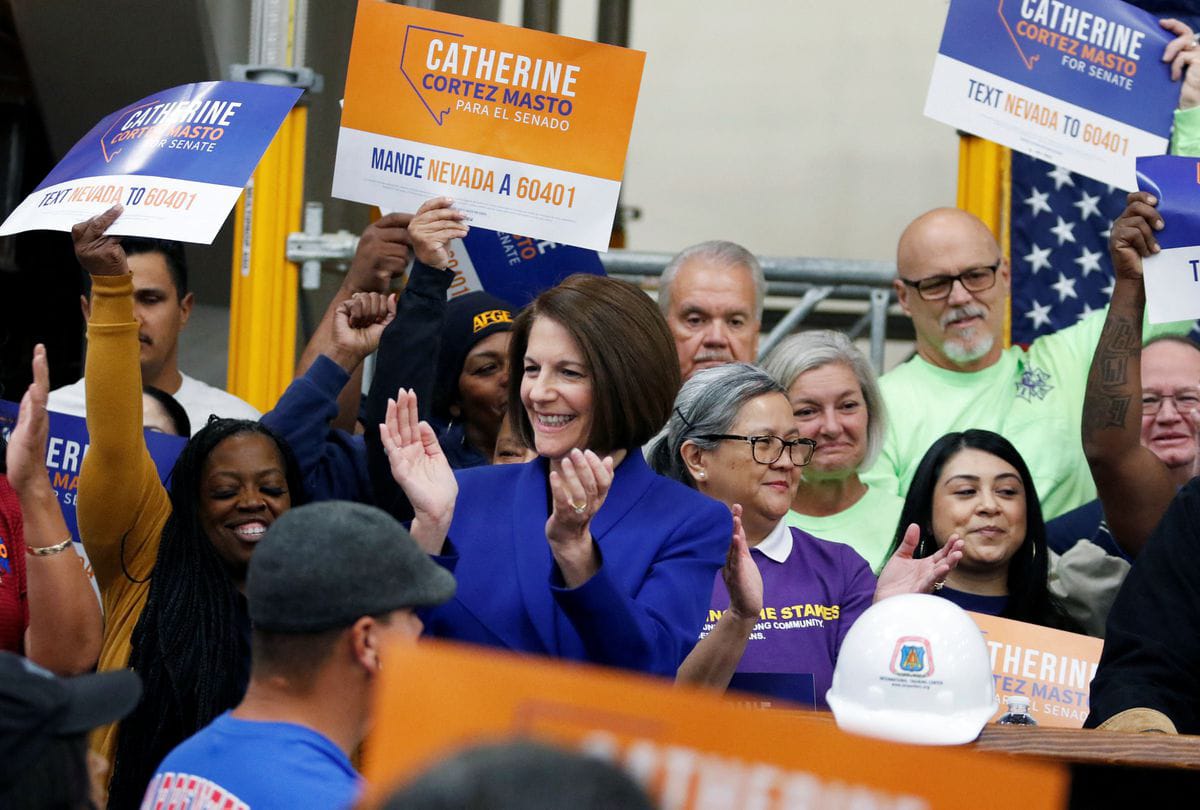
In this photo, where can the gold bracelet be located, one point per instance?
(49, 551)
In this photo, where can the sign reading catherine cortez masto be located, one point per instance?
(1080, 83)
(527, 131)
(177, 161)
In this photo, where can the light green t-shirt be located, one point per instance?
(867, 527)
(1033, 398)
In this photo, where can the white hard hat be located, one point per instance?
(914, 668)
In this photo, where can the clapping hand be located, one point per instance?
(742, 578)
(421, 470)
(577, 489)
(903, 574)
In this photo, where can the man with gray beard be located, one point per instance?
(953, 281)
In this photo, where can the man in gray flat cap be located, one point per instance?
(329, 588)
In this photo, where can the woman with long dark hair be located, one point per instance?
(976, 485)
(170, 566)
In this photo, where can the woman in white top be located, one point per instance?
(836, 402)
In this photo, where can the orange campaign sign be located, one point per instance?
(690, 748)
(527, 131)
(1053, 668)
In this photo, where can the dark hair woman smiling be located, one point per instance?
(584, 552)
(170, 566)
(975, 484)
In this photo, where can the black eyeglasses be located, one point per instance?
(975, 279)
(769, 449)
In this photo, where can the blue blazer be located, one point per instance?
(660, 546)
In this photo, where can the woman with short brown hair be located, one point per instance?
(584, 552)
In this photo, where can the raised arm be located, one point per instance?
(1135, 488)
(715, 658)
(408, 349)
(65, 625)
(421, 470)
(120, 496)
(382, 255)
(331, 461)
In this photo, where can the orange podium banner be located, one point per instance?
(527, 131)
(1052, 668)
(690, 748)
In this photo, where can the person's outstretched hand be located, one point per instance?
(421, 469)
(100, 255)
(903, 574)
(436, 222)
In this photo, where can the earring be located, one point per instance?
(700, 475)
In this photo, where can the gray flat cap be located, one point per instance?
(327, 564)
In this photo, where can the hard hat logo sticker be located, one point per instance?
(912, 657)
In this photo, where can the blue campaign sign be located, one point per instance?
(211, 132)
(517, 268)
(1080, 83)
(67, 446)
(1172, 276)
(177, 160)
(1104, 55)
(1175, 181)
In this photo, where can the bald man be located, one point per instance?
(954, 282)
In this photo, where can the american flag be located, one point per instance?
(1058, 237)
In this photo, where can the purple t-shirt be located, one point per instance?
(809, 602)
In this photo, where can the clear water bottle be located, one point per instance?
(1017, 713)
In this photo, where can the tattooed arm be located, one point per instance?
(1134, 486)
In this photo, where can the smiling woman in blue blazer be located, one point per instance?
(583, 553)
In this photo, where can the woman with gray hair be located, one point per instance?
(785, 599)
(836, 402)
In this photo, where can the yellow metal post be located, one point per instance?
(985, 189)
(262, 318)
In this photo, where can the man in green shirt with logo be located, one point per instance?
(954, 283)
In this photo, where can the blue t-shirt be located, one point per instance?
(237, 764)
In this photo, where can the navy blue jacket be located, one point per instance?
(408, 355)
(332, 462)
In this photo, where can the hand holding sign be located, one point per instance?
(1079, 83)
(381, 255)
(100, 255)
(1132, 235)
(177, 160)
(1160, 232)
(434, 225)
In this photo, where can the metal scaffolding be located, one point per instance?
(811, 280)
